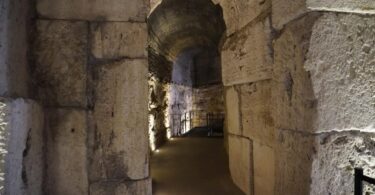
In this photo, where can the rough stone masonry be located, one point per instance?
(299, 85)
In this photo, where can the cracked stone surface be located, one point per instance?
(100, 10)
(118, 142)
(342, 68)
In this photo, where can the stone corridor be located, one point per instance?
(192, 166)
(90, 90)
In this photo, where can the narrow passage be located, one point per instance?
(192, 166)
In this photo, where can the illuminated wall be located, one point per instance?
(3, 144)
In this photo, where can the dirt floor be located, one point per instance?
(192, 166)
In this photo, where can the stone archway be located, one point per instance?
(183, 55)
(299, 91)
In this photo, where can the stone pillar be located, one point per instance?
(343, 83)
(61, 74)
(21, 118)
(294, 106)
(15, 19)
(299, 90)
(247, 73)
(91, 73)
(22, 143)
(324, 94)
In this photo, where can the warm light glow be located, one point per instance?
(169, 134)
(151, 118)
(151, 132)
(153, 147)
(3, 139)
(167, 114)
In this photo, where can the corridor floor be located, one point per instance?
(192, 166)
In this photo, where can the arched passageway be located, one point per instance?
(298, 91)
(186, 101)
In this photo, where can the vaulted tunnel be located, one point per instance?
(184, 61)
(186, 98)
(87, 88)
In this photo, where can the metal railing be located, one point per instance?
(181, 123)
(359, 178)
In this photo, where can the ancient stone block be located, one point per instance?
(232, 105)
(354, 6)
(14, 46)
(336, 157)
(141, 187)
(238, 13)
(22, 146)
(240, 162)
(246, 56)
(60, 69)
(209, 98)
(284, 11)
(342, 70)
(100, 10)
(159, 124)
(66, 152)
(256, 111)
(294, 104)
(294, 152)
(118, 139)
(264, 169)
(118, 39)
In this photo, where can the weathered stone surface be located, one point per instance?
(100, 10)
(342, 70)
(337, 156)
(22, 146)
(264, 169)
(180, 101)
(118, 39)
(4, 129)
(66, 152)
(240, 162)
(209, 98)
(14, 32)
(207, 68)
(256, 109)
(158, 115)
(284, 11)
(141, 187)
(246, 56)
(183, 68)
(354, 6)
(61, 55)
(294, 154)
(232, 105)
(118, 139)
(238, 13)
(294, 104)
